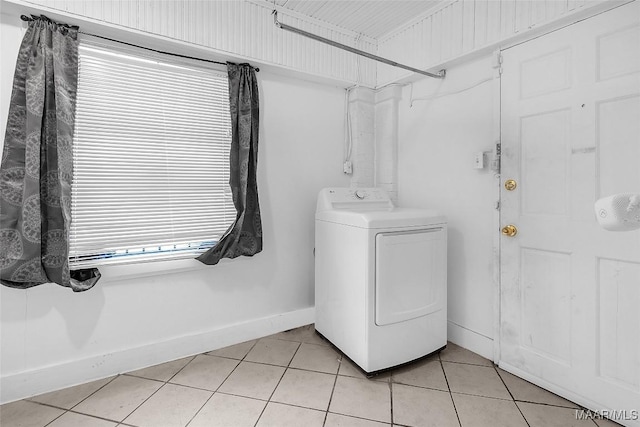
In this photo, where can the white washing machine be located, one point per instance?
(380, 278)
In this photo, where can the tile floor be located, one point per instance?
(295, 378)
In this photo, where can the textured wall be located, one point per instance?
(240, 28)
(465, 26)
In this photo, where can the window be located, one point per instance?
(151, 168)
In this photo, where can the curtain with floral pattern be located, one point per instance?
(244, 237)
(37, 164)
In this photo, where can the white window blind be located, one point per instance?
(151, 158)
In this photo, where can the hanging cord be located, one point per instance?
(44, 18)
(358, 70)
(440, 95)
(348, 134)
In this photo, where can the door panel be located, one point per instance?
(546, 277)
(544, 143)
(570, 291)
(618, 149)
(618, 294)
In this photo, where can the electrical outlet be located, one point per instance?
(347, 167)
(479, 160)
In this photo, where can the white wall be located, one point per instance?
(438, 139)
(52, 337)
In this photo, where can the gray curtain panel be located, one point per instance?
(37, 164)
(244, 237)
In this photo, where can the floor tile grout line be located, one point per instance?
(217, 389)
(145, 401)
(208, 389)
(199, 409)
(532, 402)
(205, 403)
(360, 418)
(295, 368)
(484, 396)
(193, 357)
(163, 385)
(181, 369)
(423, 387)
(333, 389)
(276, 364)
(292, 405)
(356, 416)
(72, 407)
(325, 342)
(511, 394)
(94, 416)
(130, 373)
(467, 363)
(279, 381)
(268, 364)
(239, 395)
(391, 398)
(450, 393)
(222, 382)
(255, 341)
(135, 409)
(70, 410)
(470, 364)
(49, 423)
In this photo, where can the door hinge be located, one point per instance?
(497, 157)
(497, 61)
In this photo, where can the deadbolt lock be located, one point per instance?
(510, 184)
(509, 230)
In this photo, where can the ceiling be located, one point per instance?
(373, 18)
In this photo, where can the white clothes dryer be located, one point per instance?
(380, 278)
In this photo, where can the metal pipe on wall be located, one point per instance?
(286, 27)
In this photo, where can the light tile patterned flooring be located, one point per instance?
(296, 378)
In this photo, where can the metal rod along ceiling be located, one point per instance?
(286, 27)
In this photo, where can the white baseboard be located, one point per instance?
(55, 377)
(470, 340)
(567, 394)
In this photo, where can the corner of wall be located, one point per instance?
(471, 340)
(386, 139)
(362, 118)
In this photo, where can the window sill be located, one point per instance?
(115, 273)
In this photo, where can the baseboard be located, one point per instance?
(55, 377)
(567, 394)
(470, 340)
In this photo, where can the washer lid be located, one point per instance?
(389, 218)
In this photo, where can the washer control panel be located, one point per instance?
(353, 198)
(360, 194)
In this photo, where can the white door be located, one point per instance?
(570, 291)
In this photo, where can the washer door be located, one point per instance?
(410, 274)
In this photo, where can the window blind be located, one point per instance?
(151, 159)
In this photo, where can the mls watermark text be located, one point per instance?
(614, 415)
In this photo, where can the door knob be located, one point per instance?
(509, 230)
(510, 184)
